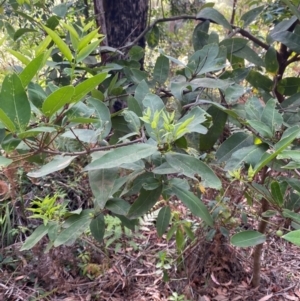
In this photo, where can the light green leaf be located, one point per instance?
(102, 183)
(190, 166)
(97, 227)
(58, 163)
(146, 200)
(88, 85)
(57, 100)
(75, 226)
(86, 51)
(31, 70)
(161, 69)
(88, 38)
(248, 239)
(14, 101)
(163, 220)
(212, 14)
(4, 162)
(133, 121)
(125, 154)
(194, 204)
(36, 131)
(35, 237)
(211, 83)
(22, 58)
(293, 237)
(7, 122)
(63, 47)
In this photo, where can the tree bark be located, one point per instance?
(121, 21)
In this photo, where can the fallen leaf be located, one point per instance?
(265, 298)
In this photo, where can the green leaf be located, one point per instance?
(194, 204)
(86, 51)
(58, 163)
(141, 91)
(259, 81)
(249, 154)
(103, 114)
(4, 162)
(31, 70)
(209, 13)
(36, 131)
(136, 53)
(200, 35)
(289, 86)
(292, 215)
(289, 39)
(102, 183)
(57, 100)
(208, 140)
(234, 45)
(117, 206)
(152, 37)
(87, 86)
(232, 144)
(7, 122)
(271, 61)
(211, 83)
(251, 15)
(36, 95)
(285, 141)
(179, 239)
(14, 101)
(250, 55)
(22, 31)
(190, 166)
(125, 154)
(146, 200)
(35, 237)
(271, 117)
(276, 193)
(292, 7)
(133, 121)
(248, 239)
(22, 58)
(75, 226)
(163, 220)
(263, 129)
(97, 227)
(60, 10)
(293, 237)
(88, 38)
(63, 47)
(161, 69)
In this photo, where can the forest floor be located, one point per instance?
(140, 266)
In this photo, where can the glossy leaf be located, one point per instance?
(190, 166)
(35, 237)
(6, 121)
(209, 13)
(118, 156)
(163, 220)
(58, 163)
(87, 50)
(56, 100)
(247, 239)
(146, 200)
(194, 204)
(87, 86)
(63, 47)
(97, 227)
(14, 101)
(31, 70)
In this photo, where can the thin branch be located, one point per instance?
(252, 38)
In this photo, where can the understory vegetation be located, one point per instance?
(178, 162)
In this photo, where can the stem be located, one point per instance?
(262, 226)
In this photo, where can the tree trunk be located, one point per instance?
(121, 21)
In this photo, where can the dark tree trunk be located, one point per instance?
(121, 21)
